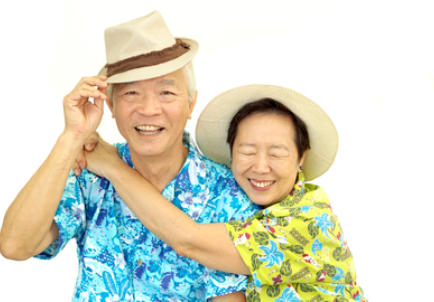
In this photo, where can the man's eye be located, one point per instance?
(167, 92)
(130, 92)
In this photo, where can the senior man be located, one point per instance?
(148, 84)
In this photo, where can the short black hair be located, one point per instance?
(266, 105)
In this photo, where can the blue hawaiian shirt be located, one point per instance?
(121, 260)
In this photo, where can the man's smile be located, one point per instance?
(148, 129)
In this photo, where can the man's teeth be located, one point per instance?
(147, 128)
(261, 184)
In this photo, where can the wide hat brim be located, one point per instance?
(213, 124)
(149, 72)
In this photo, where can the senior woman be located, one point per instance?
(293, 249)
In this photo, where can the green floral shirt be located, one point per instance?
(295, 250)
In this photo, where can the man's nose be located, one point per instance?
(149, 105)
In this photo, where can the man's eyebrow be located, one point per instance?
(122, 85)
(170, 82)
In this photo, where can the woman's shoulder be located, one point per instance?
(310, 201)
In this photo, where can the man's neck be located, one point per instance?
(161, 170)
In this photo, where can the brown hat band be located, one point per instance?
(149, 59)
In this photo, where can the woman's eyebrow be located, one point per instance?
(279, 146)
(246, 145)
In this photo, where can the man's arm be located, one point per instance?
(234, 297)
(28, 226)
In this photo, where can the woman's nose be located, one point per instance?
(261, 164)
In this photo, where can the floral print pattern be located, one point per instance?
(296, 251)
(120, 260)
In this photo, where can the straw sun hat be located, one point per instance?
(143, 49)
(213, 124)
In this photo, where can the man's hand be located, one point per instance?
(82, 117)
(29, 227)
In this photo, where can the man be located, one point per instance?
(148, 85)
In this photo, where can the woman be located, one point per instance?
(293, 248)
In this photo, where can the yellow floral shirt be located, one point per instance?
(295, 250)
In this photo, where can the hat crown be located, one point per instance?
(139, 36)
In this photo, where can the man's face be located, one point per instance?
(151, 114)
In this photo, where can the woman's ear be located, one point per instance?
(301, 162)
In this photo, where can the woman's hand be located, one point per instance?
(104, 159)
(98, 156)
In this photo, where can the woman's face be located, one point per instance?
(264, 157)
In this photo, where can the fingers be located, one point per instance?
(87, 90)
(91, 142)
(94, 87)
(77, 170)
(98, 81)
(80, 163)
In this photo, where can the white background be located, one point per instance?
(369, 64)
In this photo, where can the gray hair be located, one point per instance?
(189, 78)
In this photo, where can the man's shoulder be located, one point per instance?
(221, 180)
(215, 167)
(219, 176)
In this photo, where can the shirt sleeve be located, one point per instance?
(70, 217)
(221, 283)
(305, 246)
(232, 204)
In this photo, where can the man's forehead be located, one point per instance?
(165, 80)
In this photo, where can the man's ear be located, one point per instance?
(191, 104)
(109, 99)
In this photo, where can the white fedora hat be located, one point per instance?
(143, 49)
(213, 124)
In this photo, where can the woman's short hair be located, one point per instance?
(268, 105)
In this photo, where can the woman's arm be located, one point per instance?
(208, 244)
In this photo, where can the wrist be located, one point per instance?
(73, 139)
(70, 143)
(66, 150)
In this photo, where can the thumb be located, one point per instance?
(91, 142)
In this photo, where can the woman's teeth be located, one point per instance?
(261, 184)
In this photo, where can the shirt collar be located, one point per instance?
(194, 157)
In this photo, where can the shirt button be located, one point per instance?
(139, 262)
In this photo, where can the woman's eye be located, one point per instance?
(247, 153)
(130, 92)
(278, 154)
